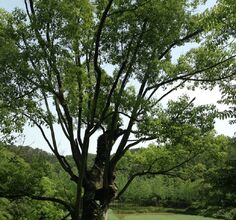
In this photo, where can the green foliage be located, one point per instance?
(15, 176)
(204, 176)
(181, 120)
(5, 215)
(54, 63)
(205, 184)
(61, 32)
(24, 173)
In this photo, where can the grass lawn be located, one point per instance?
(153, 216)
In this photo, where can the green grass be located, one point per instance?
(154, 216)
(147, 209)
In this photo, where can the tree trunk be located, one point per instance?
(96, 201)
(98, 184)
(94, 210)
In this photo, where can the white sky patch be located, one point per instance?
(9, 5)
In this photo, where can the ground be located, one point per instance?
(154, 216)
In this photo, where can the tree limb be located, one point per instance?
(181, 40)
(120, 150)
(185, 76)
(38, 198)
(114, 85)
(211, 80)
(149, 172)
(95, 61)
(62, 120)
(56, 153)
(65, 217)
(171, 90)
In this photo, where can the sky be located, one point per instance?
(32, 136)
(11, 4)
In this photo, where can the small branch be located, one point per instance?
(50, 122)
(26, 93)
(130, 180)
(128, 116)
(184, 108)
(135, 142)
(74, 148)
(120, 150)
(174, 175)
(122, 113)
(99, 32)
(123, 85)
(171, 90)
(58, 156)
(124, 81)
(65, 217)
(52, 61)
(41, 130)
(80, 93)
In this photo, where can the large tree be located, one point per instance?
(104, 66)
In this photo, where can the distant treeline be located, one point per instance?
(205, 185)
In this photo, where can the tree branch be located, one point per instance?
(124, 81)
(26, 93)
(41, 130)
(62, 120)
(56, 153)
(149, 172)
(181, 40)
(211, 80)
(38, 198)
(52, 61)
(135, 142)
(50, 122)
(120, 150)
(123, 65)
(65, 217)
(171, 90)
(66, 123)
(185, 76)
(95, 61)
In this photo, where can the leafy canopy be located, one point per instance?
(105, 66)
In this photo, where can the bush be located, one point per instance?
(233, 213)
(217, 212)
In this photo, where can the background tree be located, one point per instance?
(10, 115)
(57, 64)
(186, 132)
(28, 184)
(203, 186)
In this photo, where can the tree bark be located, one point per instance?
(98, 184)
(96, 202)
